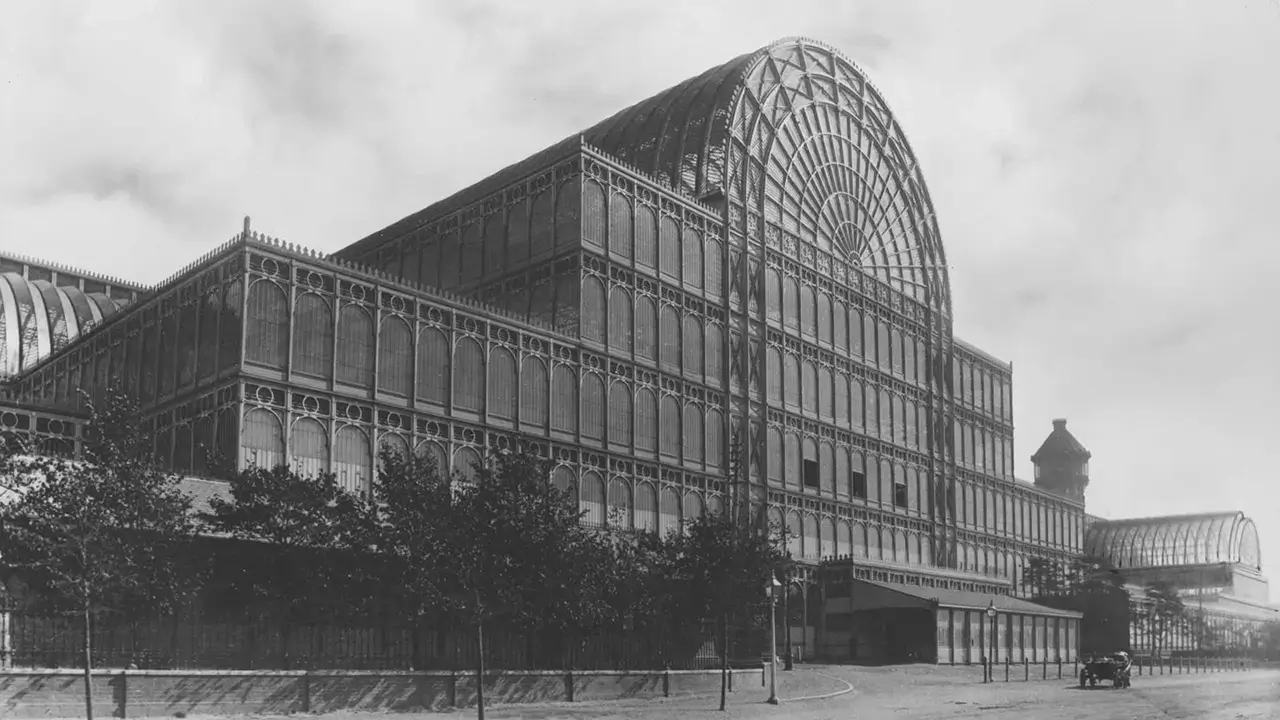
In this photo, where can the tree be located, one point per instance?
(1165, 609)
(316, 543)
(507, 548)
(720, 568)
(99, 536)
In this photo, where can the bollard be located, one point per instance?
(1026, 669)
(1059, 667)
(1007, 663)
(1044, 667)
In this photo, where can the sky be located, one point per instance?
(1106, 174)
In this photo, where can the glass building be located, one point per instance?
(732, 296)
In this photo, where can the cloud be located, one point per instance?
(1103, 173)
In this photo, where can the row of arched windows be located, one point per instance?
(633, 232)
(810, 537)
(831, 469)
(176, 346)
(985, 450)
(204, 447)
(821, 391)
(653, 332)
(813, 314)
(311, 449)
(1000, 513)
(983, 389)
(523, 228)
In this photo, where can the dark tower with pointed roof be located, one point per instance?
(1062, 463)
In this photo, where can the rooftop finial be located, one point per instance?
(246, 225)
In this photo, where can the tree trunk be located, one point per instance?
(479, 660)
(88, 664)
(724, 660)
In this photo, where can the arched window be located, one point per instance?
(355, 346)
(646, 420)
(503, 384)
(872, 401)
(467, 463)
(541, 224)
(668, 512)
(646, 507)
(795, 536)
(899, 420)
(646, 237)
(826, 396)
(669, 331)
(693, 433)
(563, 479)
(395, 357)
(620, 329)
(775, 456)
(352, 460)
(620, 507)
(517, 233)
(869, 339)
(844, 539)
(620, 413)
(670, 427)
(267, 332)
(434, 362)
(715, 272)
(564, 393)
(533, 392)
(714, 354)
(827, 469)
(593, 309)
(715, 438)
(593, 400)
(669, 249)
(809, 389)
(808, 311)
(263, 439)
(791, 382)
(792, 459)
(692, 506)
(646, 328)
(824, 318)
(842, 471)
(435, 453)
(812, 549)
(840, 391)
(692, 344)
(593, 214)
(591, 501)
(773, 294)
(392, 443)
(568, 213)
(469, 378)
(312, 336)
(692, 258)
(827, 537)
(790, 302)
(773, 373)
(855, 333)
(620, 226)
(857, 406)
(859, 541)
(309, 447)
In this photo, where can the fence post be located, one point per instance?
(124, 694)
(1007, 663)
(1044, 667)
(306, 691)
(1059, 667)
(1026, 669)
(666, 681)
(568, 685)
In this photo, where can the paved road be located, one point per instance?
(934, 694)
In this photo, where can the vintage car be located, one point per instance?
(1116, 668)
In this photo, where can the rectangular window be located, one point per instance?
(858, 484)
(900, 495)
(811, 473)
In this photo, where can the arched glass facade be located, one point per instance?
(744, 271)
(1176, 541)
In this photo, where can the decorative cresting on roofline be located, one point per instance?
(1176, 540)
(77, 272)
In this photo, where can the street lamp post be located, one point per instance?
(991, 655)
(771, 589)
